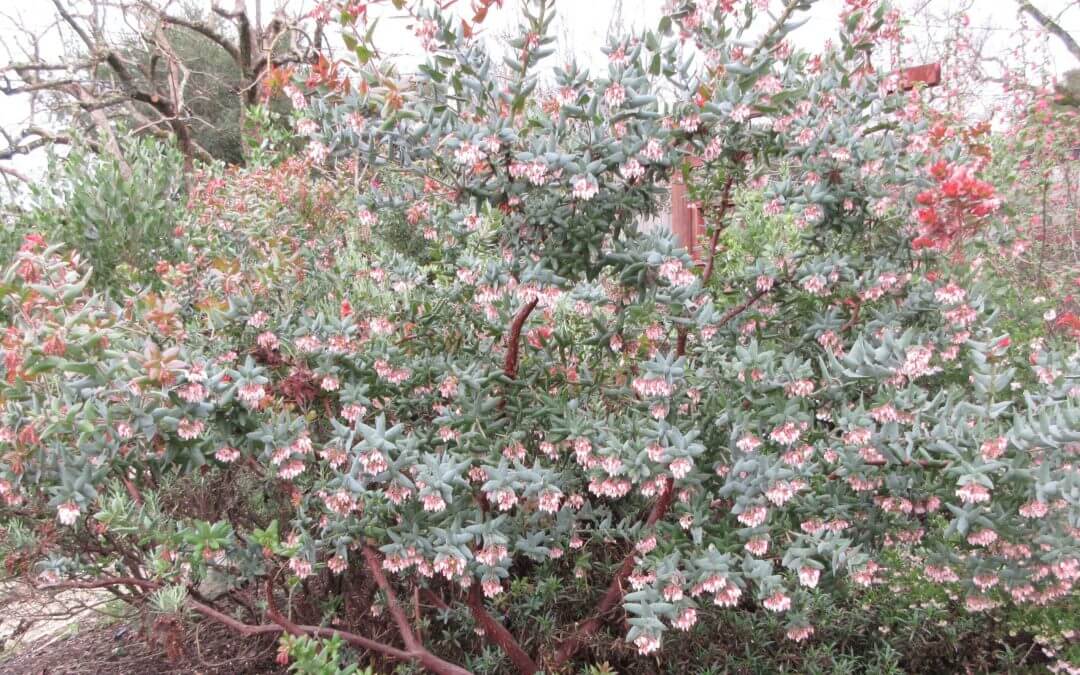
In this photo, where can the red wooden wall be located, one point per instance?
(686, 221)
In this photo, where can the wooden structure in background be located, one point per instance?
(687, 222)
(928, 75)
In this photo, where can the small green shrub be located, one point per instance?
(122, 223)
(320, 657)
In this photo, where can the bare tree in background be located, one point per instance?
(121, 62)
(1052, 26)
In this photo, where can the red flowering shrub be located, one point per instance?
(952, 209)
(546, 394)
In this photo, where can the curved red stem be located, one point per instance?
(498, 635)
(615, 591)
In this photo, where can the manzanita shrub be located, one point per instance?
(309, 434)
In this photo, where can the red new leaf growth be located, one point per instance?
(954, 208)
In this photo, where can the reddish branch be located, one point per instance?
(414, 649)
(740, 308)
(235, 625)
(133, 491)
(922, 463)
(714, 240)
(513, 349)
(514, 344)
(615, 591)
(717, 229)
(434, 600)
(416, 610)
(494, 631)
(496, 634)
(728, 316)
(856, 309)
(374, 564)
(281, 623)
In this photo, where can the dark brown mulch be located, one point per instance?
(206, 649)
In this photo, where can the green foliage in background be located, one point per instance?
(122, 224)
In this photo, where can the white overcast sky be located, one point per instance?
(583, 25)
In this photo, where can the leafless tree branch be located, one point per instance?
(1051, 26)
(121, 59)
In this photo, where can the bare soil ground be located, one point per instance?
(80, 633)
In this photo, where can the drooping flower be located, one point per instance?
(584, 187)
(190, 429)
(973, 493)
(614, 95)
(686, 619)
(753, 516)
(449, 566)
(780, 492)
(550, 500)
(867, 574)
(647, 643)
(741, 113)
(984, 537)
(651, 387)
(291, 469)
(646, 545)
(301, 567)
(680, 467)
(1034, 509)
(433, 502)
(505, 499)
(67, 513)
(979, 603)
(329, 383)
(673, 271)
(653, 152)
(342, 503)
(748, 443)
(808, 576)
(252, 395)
(757, 546)
(786, 434)
(950, 294)
(317, 152)
(227, 454)
(993, 448)
(800, 633)
(727, 596)
(777, 602)
(799, 388)
(491, 587)
(690, 123)
(814, 284)
(468, 154)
